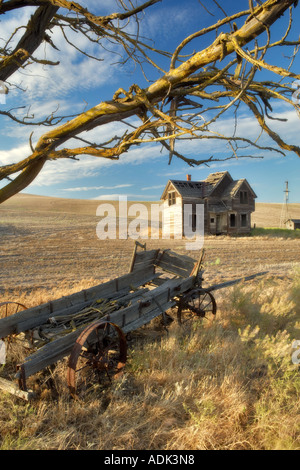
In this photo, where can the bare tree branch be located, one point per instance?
(169, 108)
(31, 40)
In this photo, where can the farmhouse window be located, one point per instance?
(243, 197)
(244, 220)
(212, 220)
(172, 198)
(232, 220)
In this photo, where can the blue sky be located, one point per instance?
(141, 174)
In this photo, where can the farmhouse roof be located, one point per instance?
(234, 187)
(194, 189)
(215, 178)
(205, 188)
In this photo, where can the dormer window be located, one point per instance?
(172, 198)
(243, 197)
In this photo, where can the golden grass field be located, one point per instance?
(230, 384)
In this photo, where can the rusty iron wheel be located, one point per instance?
(99, 355)
(199, 303)
(10, 308)
(6, 310)
(14, 348)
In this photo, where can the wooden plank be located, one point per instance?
(162, 294)
(137, 278)
(181, 261)
(146, 255)
(133, 259)
(137, 243)
(147, 317)
(12, 388)
(8, 325)
(144, 259)
(49, 354)
(143, 265)
(199, 263)
(159, 281)
(180, 265)
(36, 316)
(169, 268)
(186, 260)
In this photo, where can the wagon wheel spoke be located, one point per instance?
(15, 349)
(10, 308)
(200, 304)
(6, 310)
(99, 354)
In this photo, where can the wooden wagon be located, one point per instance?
(90, 326)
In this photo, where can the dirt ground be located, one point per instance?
(47, 243)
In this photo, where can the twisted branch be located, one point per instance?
(163, 105)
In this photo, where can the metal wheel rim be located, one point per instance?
(206, 305)
(87, 366)
(4, 308)
(199, 304)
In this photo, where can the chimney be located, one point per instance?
(188, 177)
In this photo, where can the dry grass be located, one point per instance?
(229, 384)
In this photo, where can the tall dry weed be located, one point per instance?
(226, 384)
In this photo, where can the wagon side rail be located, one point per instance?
(33, 317)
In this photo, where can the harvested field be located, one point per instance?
(268, 215)
(47, 241)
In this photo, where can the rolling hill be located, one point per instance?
(265, 215)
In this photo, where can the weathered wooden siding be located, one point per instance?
(243, 207)
(172, 219)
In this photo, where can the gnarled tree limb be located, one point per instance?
(160, 122)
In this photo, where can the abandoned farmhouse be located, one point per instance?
(228, 203)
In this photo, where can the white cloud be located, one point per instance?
(75, 71)
(14, 155)
(117, 196)
(92, 188)
(70, 76)
(13, 20)
(159, 186)
(66, 170)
